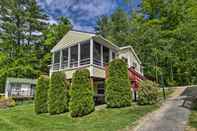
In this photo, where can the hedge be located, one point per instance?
(58, 97)
(148, 93)
(118, 88)
(81, 94)
(41, 95)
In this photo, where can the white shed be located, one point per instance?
(20, 87)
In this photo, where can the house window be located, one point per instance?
(85, 53)
(65, 58)
(125, 60)
(134, 65)
(105, 55)
(56, 57)
(97, 54)
(74, 56)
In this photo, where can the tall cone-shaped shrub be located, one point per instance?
(41, 95)
(117, 89)
(58, 94)
(81, 94)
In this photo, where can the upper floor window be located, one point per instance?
(125, 60)
(134, 65)
(57, 57)
(105, 55)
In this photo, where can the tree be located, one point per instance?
(118, 88)
(41, 95)
(163, 35)
(53, 34)
(58, 94)
(21, 26)
(81, 94)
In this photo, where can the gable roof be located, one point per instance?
(71, 38)
(133, 51)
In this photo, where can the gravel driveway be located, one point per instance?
(170, 117)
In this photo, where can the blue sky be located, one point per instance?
(82, 13)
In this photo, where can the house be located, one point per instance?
(20, 87)
(87, 50)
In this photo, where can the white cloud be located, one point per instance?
(82, 13)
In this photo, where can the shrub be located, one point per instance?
(58, 94)
(41, 95)
(7, 102)
(117, 89)
(148, 93)
(81, 94)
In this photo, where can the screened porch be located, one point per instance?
(82, 54)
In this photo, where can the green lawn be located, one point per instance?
(23, 118)
(193, 119)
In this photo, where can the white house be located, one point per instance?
(87, 50)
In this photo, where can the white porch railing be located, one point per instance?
(73, 64)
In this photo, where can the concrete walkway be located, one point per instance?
(170, 117)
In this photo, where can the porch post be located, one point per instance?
(52, 61)
(79, 51)
(60, 66)
(91, 51)
(110, 55)
(69, 57)
(102, 56)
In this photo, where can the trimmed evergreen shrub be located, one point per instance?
(148, 93)
(118, 88)
(58, 94)
(81, 94)
(41, 95)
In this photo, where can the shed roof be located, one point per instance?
(21, 80)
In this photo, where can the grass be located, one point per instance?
(23, 118)
(193, 119)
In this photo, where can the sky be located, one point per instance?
(83, 14)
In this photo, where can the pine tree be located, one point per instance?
(118, 88)
(41, 95)
(81, 94)
(58, 94)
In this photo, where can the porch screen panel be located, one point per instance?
(74, 56)
(56, 63)
(105, 55)
(97, 54)
(85, 53)
(113, 55)
(65, 58)
(57, 57)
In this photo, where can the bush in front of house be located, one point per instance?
(81, 94)
(148, 93)
(41, 95)
(58, 97)
(118, 88)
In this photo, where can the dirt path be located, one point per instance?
(170, 117)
